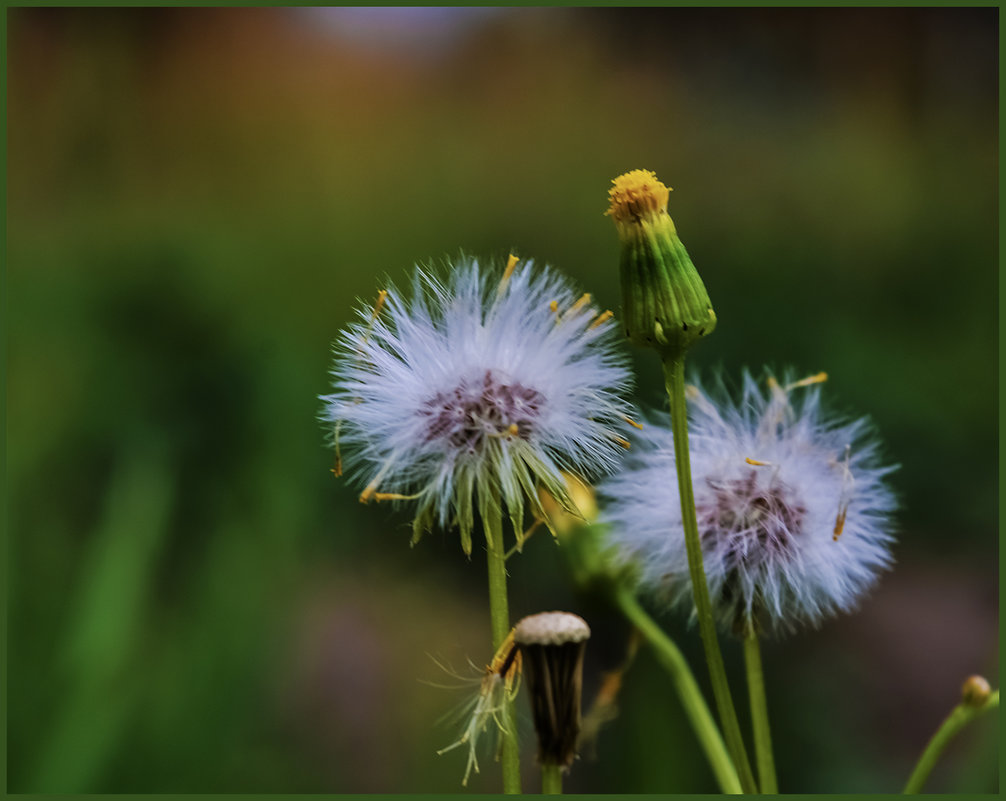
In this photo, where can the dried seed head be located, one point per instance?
(552, 644)
(551, 628)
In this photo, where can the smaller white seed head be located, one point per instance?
(793, 507)
(551, 628)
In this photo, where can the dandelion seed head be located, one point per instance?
(793, 507)
(483, 386)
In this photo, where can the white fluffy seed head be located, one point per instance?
(471, 392)
(551, 628)
(793, 509)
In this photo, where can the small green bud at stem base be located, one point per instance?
(975, 691)
(959, 717)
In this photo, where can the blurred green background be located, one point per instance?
(196, 199)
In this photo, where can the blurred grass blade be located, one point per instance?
(102, 638)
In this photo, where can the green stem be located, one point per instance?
(688, 691)
(958, 718)
(551, 780)
(499, 613)
(759, 714)
(674, 377)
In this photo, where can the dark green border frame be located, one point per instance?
(1000, 383)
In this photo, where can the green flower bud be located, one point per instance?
(664, 302)
(975, 691)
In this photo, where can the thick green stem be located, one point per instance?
(759, 714)
(551, 780)
(959, 717)
(688, 691)
(499, 613)
(674, 377)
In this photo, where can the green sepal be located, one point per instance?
(557, 489)
(592, 560)
(421, 523)
(489, 505)
(515, 506)
(665, 304)
(465, 513)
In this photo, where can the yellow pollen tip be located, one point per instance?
(602, 318)
(379, 304)
(391, 496)
(632, 422)
(623, 442)
(756, 462)
(368, 492)
(580, 303)
(554, 306)
(637, 194)
(511, 263)
(512, 430)
(820, 378)
(839, 524)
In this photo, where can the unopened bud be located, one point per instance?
(583, 499)
(664, 302)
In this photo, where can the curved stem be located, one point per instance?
(674, 377)
(958, 718)
(499, 613)
(551, 780)
(688, 691)
(759, 714)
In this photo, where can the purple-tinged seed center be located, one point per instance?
(754, 519)
(748, 522)
(466, 416)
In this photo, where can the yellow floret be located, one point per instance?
(637, 194)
